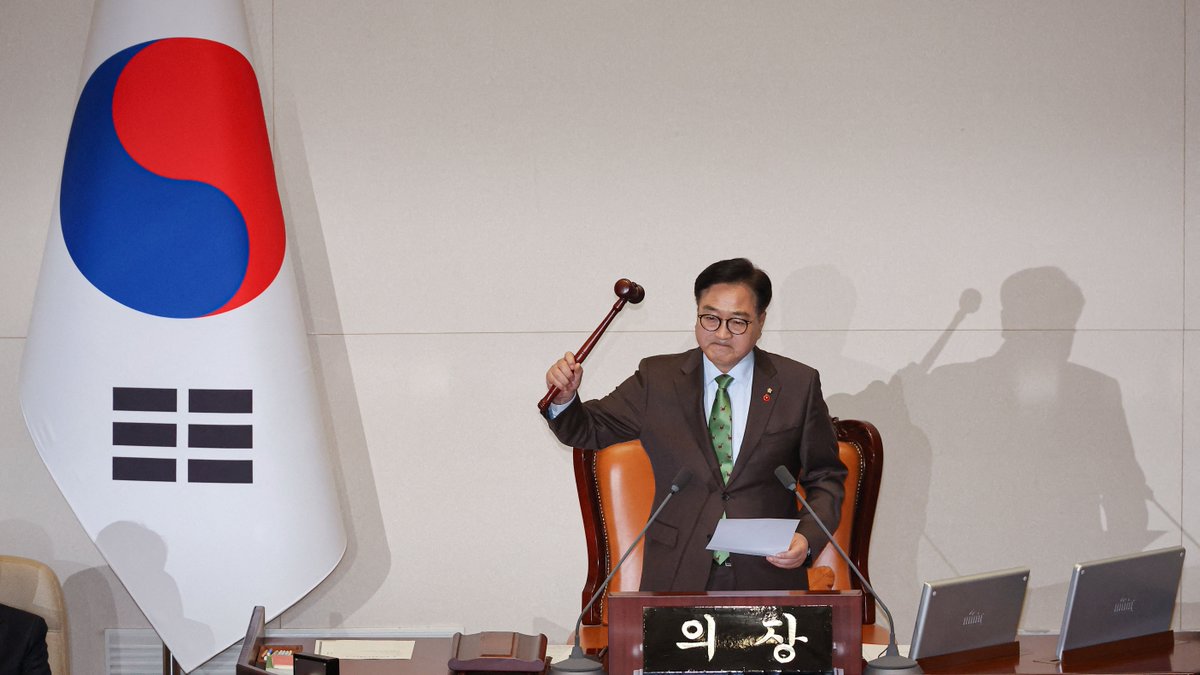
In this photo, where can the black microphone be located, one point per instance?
(891, 662)
(578, 661)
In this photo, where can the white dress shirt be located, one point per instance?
(739, 395)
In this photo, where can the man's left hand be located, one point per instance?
(793, 557)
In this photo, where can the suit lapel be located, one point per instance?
(765, 377)
(689, 387)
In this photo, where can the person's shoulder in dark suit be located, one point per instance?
(785, 365)
(670, 362)
(22, 643)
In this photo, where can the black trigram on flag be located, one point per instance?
(200, 435)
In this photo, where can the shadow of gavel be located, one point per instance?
(968, 303)
(627, 291)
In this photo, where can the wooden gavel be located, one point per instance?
(627, 291)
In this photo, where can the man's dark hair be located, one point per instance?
(737, 271)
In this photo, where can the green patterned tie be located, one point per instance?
(720, 428)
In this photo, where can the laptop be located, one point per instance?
(1119, 598)
(965, 613)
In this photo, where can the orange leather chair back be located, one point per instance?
(627, 497)
(828, 570)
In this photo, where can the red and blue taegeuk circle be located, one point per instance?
(168, 203)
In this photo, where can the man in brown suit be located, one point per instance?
(779, 417)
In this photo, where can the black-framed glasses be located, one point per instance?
(712, 323)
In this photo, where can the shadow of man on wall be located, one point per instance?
(1032, 463)
(823, 291)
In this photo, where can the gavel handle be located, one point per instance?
(585, 349)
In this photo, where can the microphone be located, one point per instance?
(891, 663)
(578, 661)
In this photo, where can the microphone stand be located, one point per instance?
(891, 663)
(579, 662)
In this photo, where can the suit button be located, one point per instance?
(725, 496)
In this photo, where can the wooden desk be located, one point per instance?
(1036, 658)
(1166, 655)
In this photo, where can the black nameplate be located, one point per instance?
(771, 639)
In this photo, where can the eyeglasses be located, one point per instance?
(712, 323)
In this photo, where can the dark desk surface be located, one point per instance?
(1180, 655)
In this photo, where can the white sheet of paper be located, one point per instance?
(366, 649)
(753, 536)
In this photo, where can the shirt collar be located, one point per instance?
(741, 373)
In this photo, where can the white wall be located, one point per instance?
(465, 181)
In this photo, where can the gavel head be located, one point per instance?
(629, 291)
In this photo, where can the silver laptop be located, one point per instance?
(971, 612)
(1119, 598)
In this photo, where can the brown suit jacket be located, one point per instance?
(662, 405)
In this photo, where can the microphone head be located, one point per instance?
(969, 301)
(785, 477)
(681, 479)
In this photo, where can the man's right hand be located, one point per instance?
(565, 374)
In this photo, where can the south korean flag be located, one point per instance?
(166, 379)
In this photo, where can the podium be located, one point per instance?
(632, 616)
(1175, 655)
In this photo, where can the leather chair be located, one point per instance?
(616, 493)
(32, 586)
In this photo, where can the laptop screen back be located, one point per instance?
(969, 612)
(1120, 598)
